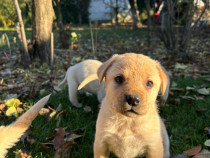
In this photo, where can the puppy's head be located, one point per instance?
(132, 82)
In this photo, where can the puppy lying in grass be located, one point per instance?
(128, 122)
(76, 74)
(10, 134)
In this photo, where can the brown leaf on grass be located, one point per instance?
(203, 154)
(193, 151)
(187, 98)
(201, 110)
(19, 110)
(175, 101)
(44, 111)
(64, 150)
(207, 79)
(2, 106)
(46, 145)
(59, 138)
(198, 97)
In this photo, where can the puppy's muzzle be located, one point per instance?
(132, 100)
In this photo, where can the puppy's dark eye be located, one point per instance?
(149, 84)
(119, 79)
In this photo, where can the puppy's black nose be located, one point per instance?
(132, 100)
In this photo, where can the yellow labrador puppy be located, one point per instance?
(128, 123)
(161, 98)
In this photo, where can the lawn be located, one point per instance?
(186, 112)
(185, 125)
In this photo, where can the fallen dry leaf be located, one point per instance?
(203, 91)
(193, 151)
(201, 110)
(207, 143)
(59, 138)
(87, 109)
(2, 106)
(187, 98)
(203, 154)
(44, 111)
(180, 66)
(64, 150)
(19, 110)
(190, 88)
(23, 154)
(46, 145)
(175, 101)
(198, 97)
(207, 79)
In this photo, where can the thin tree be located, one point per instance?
(168, 33)
(64, 32)
(26, 57)
(134, 12)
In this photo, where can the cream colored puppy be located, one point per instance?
(128, 123)
(10, 134)
(76, 74)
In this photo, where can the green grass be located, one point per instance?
(75, 118)
(112, 37)
(185, 125)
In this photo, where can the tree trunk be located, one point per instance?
(26, 57)
(42, 27)
(116, 11)
(149, 23)
(136, 20)
(167, 33)
(64, 31)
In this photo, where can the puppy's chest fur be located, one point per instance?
(126, 139)
(125, 147)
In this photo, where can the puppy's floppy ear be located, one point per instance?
(163, 78)
(104, 67)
